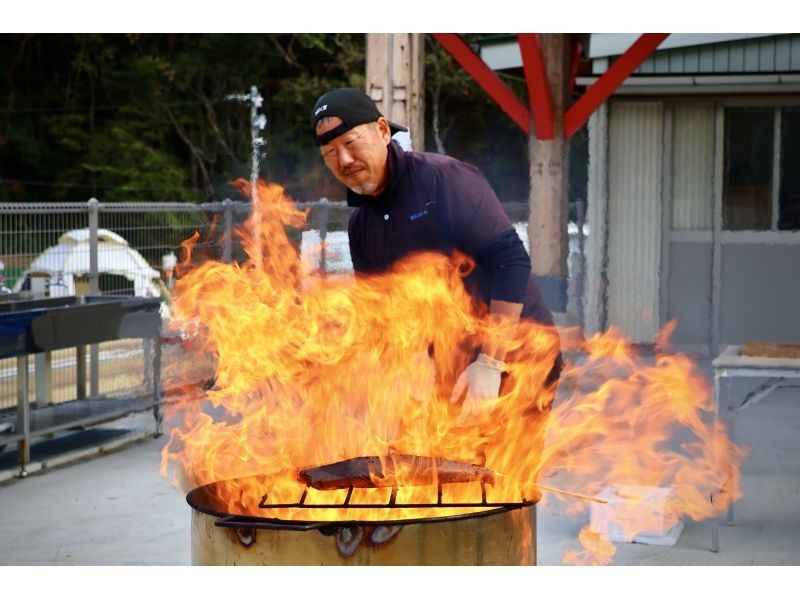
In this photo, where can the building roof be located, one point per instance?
(683, 62)
(613, 44)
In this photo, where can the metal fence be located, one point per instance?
(66, 249)
(56, 249)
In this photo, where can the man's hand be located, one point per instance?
(481, 380)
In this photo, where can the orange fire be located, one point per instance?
(316, 369)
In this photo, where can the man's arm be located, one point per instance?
(510, 266)
(480, 227)
(504, 317)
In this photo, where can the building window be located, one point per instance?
(761, 182)
(747, 182)
(789, 196)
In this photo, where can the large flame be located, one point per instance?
(316, 369)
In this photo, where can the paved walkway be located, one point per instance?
(117, 509)
(111, 510)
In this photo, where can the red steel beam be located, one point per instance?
(538, 85)
(602, 89)
(486, 78)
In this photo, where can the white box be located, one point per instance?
(637, 514)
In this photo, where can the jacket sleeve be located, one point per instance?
(480, 227)
(507, 260)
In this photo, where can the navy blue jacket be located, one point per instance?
(437, 203)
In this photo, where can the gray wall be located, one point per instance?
(760, 293)
(689, 292)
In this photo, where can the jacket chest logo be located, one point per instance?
(418, 215)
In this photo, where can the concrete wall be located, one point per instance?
(760, 293)
(759, 299)
(689, 292)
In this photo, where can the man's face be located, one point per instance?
(357, 158)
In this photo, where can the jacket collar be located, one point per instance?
(396, 165)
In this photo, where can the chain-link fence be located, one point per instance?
(56, 250)
(51, 250)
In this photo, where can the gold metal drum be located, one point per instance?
(493, 537)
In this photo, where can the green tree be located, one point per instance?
(144, 117)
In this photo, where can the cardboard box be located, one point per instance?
(637, 514)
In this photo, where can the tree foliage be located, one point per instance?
(143, 117)
(471, 126)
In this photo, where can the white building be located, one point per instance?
(694, 188)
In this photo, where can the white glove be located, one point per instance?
(481, 380)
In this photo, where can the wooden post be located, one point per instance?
(549, 176)
(396, 80)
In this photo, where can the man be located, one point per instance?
(414, 201)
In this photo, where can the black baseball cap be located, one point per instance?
(352, 105)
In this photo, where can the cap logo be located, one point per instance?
(321, 109)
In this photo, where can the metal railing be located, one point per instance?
(58, 249)
(54, 249)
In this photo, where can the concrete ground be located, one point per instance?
(766, 529)
(117, 509)
(110, 510)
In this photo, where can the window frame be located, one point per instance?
(773, 233)
(777, 104)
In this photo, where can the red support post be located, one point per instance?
(602, 89)
(538, 85)
(486, 78)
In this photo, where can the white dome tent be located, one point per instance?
(61, 263)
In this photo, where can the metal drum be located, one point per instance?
(493, 535)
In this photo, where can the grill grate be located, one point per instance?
(393, 504)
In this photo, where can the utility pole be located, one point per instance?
(257, 124)
(396, 80)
